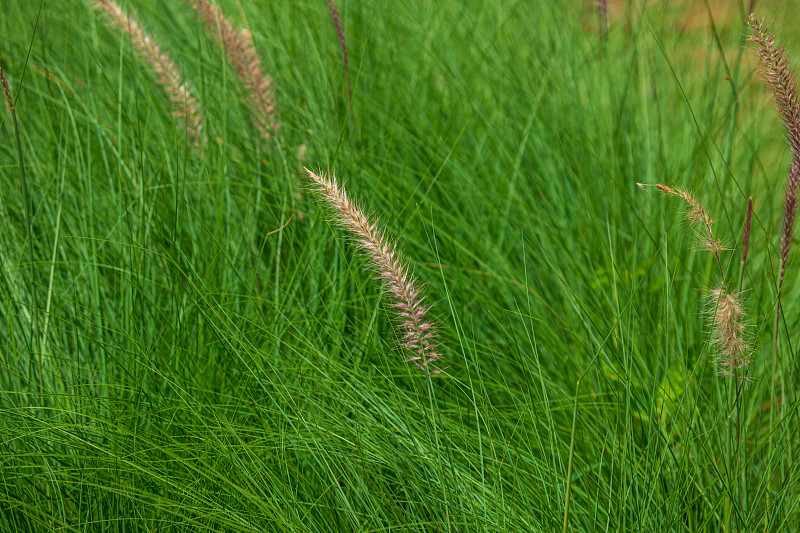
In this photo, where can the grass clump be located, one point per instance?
(181, 350)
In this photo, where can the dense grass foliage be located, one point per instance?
(189, 345)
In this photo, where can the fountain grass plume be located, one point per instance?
(418, 332)
(696, 215)
(782, 84)
(725, 311)
(728, 333)
(168, 75)
(241, 53)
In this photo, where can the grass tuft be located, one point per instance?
(205, 358)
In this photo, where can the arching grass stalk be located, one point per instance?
(728, 332)
(725, 309)
(26, 198)
(783, 86)
(417, 331)
(739, 449)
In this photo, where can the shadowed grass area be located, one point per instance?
(190, 346)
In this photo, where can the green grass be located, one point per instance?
(193, 347)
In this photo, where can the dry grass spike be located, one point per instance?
(336, 18)
(784, 89)
(187, 109)
(728, 334)
(6, 89)
(417, 330)
(241, 54)
(698, 216)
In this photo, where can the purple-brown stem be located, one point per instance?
(602, 8)
(6, 89)
(337, 24)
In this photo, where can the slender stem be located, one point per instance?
(435, 404)
(729, 456)
(571, 452)
(25, 195)
(739, 449)
(28, 225)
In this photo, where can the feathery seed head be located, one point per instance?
(418, 333)
(241, 54)
(696, 215)
(783, 85)
(781, 81)
(168, 75)
(784, 89)
(728, 334)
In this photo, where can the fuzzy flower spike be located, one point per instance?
(784, 89)
(417, 330)
(726, 315)
(167, 73)
(241, 53)
(728, 334)
(696, 215)
(783, 86)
